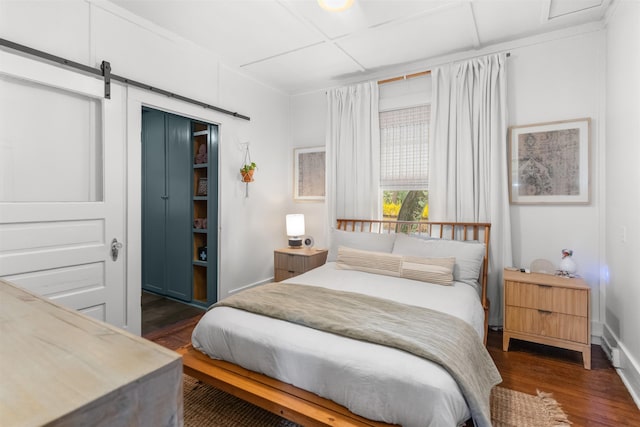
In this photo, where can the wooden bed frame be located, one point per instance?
(301, 406)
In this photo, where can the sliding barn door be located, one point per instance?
(62, 181)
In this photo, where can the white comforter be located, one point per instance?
(371, 380)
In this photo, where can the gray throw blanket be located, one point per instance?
(432, 335)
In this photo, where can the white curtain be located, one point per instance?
(468, 158)
(353, 153)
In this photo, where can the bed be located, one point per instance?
(293, 361)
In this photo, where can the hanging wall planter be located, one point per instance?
(247, 172)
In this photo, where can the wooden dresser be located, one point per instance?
(61, 368)
(289, 262)
(549, 310)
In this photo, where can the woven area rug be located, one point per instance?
(207, 406)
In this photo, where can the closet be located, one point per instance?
(179, 207)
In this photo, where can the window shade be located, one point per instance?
(404, 148)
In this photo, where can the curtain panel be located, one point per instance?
(353, 153)
(468, 158)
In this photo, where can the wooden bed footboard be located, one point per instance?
(285, 400)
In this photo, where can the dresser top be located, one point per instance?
(545, 279)
(54, 360)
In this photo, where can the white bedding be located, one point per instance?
(374, 381)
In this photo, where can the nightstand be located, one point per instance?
(289, 262)
(547, 309)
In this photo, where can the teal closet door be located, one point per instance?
(179, 218)
(153, 201)
(166, 204)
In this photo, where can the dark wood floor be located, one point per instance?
(159, 312)
(595, 397)
(591, 398)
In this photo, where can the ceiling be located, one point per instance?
(297, 47)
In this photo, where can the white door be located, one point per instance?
(62, 186)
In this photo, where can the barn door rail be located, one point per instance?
(105, 73)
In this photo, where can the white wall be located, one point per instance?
(622, 151)
(308, 126)
(91, 31)
(554, 80)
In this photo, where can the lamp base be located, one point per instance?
(295, 242)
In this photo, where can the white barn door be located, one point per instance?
(62, 186)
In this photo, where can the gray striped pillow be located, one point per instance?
(371, 262)
(432, 270)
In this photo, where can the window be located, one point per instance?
(404, 163)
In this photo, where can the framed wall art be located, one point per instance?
(309, 173)
(202, 187)
(549, 162)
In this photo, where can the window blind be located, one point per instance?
(404, 148)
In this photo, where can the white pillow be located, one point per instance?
(468, 255)
(377, 242)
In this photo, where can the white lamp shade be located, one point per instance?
(295, 225)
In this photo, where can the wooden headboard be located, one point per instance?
(477, 231)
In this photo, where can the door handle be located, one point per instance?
(115, 248)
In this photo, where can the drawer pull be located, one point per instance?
(544, 311)
(545, 286)
(291, 271)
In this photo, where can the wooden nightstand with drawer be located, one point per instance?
(289, 262)
(547, 309)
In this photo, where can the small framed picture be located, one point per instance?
(549, 162)
(309, 173)
(202, 187)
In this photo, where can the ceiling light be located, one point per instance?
(335, 5)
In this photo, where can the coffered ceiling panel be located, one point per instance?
(316, 66)
(363, 14)
(240, 31)
(502, 20)
(411, 39)
(558, 8)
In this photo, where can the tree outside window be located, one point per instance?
(406, 205)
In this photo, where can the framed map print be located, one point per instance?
(309, 174)
(549, 162)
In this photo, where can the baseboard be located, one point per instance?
(627, 367)
(250, 285)
(611, 350)
(596, 333)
